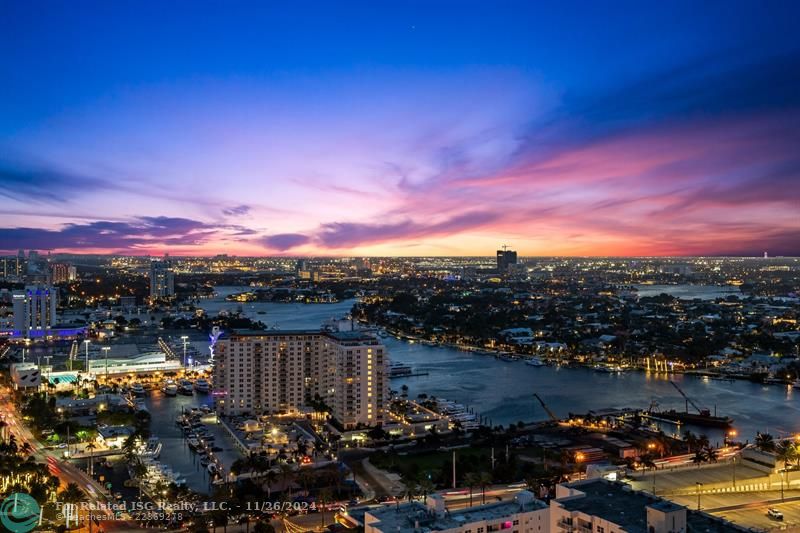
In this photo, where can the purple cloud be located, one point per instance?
(345, 234)
(103, 234)
(32, 183)
(236, 210)
(285, 241)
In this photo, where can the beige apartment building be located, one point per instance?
(281, 371)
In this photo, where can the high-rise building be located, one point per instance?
(10, 268)
(162, 279)
(505, 258)
(275, 371)
(60, 272)
(35, 309)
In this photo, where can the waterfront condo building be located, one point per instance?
(162, 280)
(35, 310)
(284, 371)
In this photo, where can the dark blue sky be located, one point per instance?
(372, 127)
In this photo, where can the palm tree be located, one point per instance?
(269, 479)
(426, 487)
(325, 496)
(765, 442)
(647, 461)
(484, 480)
(139, 470)
(699, 457)
(286, 472)
(411, 489)
(710, 453)
(91, 447)
(306, 476)
(72, 493)
(472, 481)
(786, 452)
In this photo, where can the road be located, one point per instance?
(67, 473)
(750, 509)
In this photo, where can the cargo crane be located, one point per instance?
(704, 412)
(703, 417)
(553, 417)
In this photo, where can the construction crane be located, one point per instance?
(552, 416)
(704, 412)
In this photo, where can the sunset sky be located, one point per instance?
(400, 128)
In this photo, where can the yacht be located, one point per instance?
(137, 389)
(150, 449)
(534, 361)
(170, 388)
(796, 384)
(186, 387)
(139, 405)
(202, 386)
(397, 370)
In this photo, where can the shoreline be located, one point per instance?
(548, 361)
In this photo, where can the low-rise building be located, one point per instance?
(113, 436)
(525, 514)
(602, 506)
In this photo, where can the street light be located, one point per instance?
(106, 349)
(698, 494)
(86, 343)
(184, 338)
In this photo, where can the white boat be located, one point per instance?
(796, 384)
(534, 361)
(137, 389)
(170, 389)
(202, 386)
(151, 449)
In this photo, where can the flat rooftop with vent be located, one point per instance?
(524, 514)
(603, 506)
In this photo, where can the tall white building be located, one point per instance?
(162, 279)
(275, 371)
(35, 310)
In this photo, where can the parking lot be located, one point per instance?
(750, 509)
(757, 516)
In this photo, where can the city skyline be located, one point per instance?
(401, 130)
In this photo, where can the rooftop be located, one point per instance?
(405, 517)
(618, 503)
(342, 336)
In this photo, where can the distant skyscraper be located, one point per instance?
(162, 279)
(35, 309)
(59, 273)
(505, 258)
